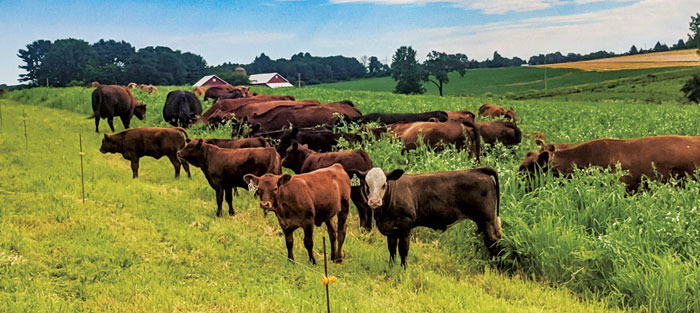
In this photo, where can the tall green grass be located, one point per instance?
(585, 234)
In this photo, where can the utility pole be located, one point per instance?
(299, 80)
(545, 73)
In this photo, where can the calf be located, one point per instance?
(224, 168)
(154, 142)
(506, 132)
(306, 200)
(301, 159)
(490, 110)
(654, 157)
(435, 200)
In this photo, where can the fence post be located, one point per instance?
(326, 280)
(82, 176)
(26, 139)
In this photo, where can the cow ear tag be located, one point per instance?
(252, 186)
(355, 181)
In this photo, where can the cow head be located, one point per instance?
(511, 115)
(267, 188)
(110, 144)
(140, 110)
(295, 156)
(374, 184)
(194, 152)
(286, 140)
(460, 116)
(536, 161)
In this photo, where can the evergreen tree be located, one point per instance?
(407, 72)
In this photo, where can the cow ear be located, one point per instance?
(187, 140)
(255, 128)
(394, 175)
(551, 148)
(199, 143)
(360, 174)
(543, 158)
(106, 136)
(248, 178)
(284, 179)
(540, 143)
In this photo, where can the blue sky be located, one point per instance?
(237, 31)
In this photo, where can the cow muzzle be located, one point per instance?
(374, 203)
(266, 205)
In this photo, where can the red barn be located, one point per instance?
(272, 80)
(210, 80)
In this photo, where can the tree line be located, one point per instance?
(65, 62)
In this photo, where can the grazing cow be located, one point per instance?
(490, 110)
(301, 159)
(199, 90)
(506, 132)
(224, 168)
(92, 85)
(436, 134)
(181, 108)
(305, 200)
(391, 118)
(435, 200)
(320, 139)
(255, 142)
(460, 116)
(132, 85)
(148, 88)
(153, 142)
(654, 157)
(109, 101)
(227, 92)
(233, 105)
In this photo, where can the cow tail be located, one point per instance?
(475, 139)
(182, 130)
(518, 134)
(96, 99)
(491, 172)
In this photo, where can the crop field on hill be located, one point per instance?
(676, 58)
(155, 244)
(514, 81)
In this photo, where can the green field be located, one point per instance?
(644, 85)
(154, 243)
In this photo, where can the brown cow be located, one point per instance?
(490, 110)
(153, 142)
(434, 200)
(436, 134)
(109, 101)
(148, 88)
(663, 155)
(306, 200)
(299, 116)
(199, 90)
(132, 85)
(224, 168)
(506, 132)
(460, 116)
(92, 85)
(301, 159)
(255, 142)
(222, 106)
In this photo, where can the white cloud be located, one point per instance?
(486, 6)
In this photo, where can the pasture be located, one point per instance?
(154, 244)
(688, 57)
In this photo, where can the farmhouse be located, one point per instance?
(210, 80)
(272, 80)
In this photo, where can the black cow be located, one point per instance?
(109, 101)
(435, 200)
(181, 108)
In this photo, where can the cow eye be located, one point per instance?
(384, 186)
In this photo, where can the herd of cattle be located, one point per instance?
(322, 187)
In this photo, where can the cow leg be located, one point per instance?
(309, 242)
(186, 167)
(392, 242)
(219, 200)
(364, 211)
(491, 233)
(342, 226)
(332, 232)
(110, 121)
(404, 243)
(97, 123)
(176, 164)
(135, 167)
(125, 121)
(229, 200)
(289, 240)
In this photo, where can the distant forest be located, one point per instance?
(72, 62)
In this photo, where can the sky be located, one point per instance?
(237, 31)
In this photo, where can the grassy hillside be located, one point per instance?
(514, 81)
(585, 235)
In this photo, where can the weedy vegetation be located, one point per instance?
(154, 243)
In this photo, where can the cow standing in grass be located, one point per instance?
(133, 144)
(109, 101)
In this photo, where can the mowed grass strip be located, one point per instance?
(154, 244)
